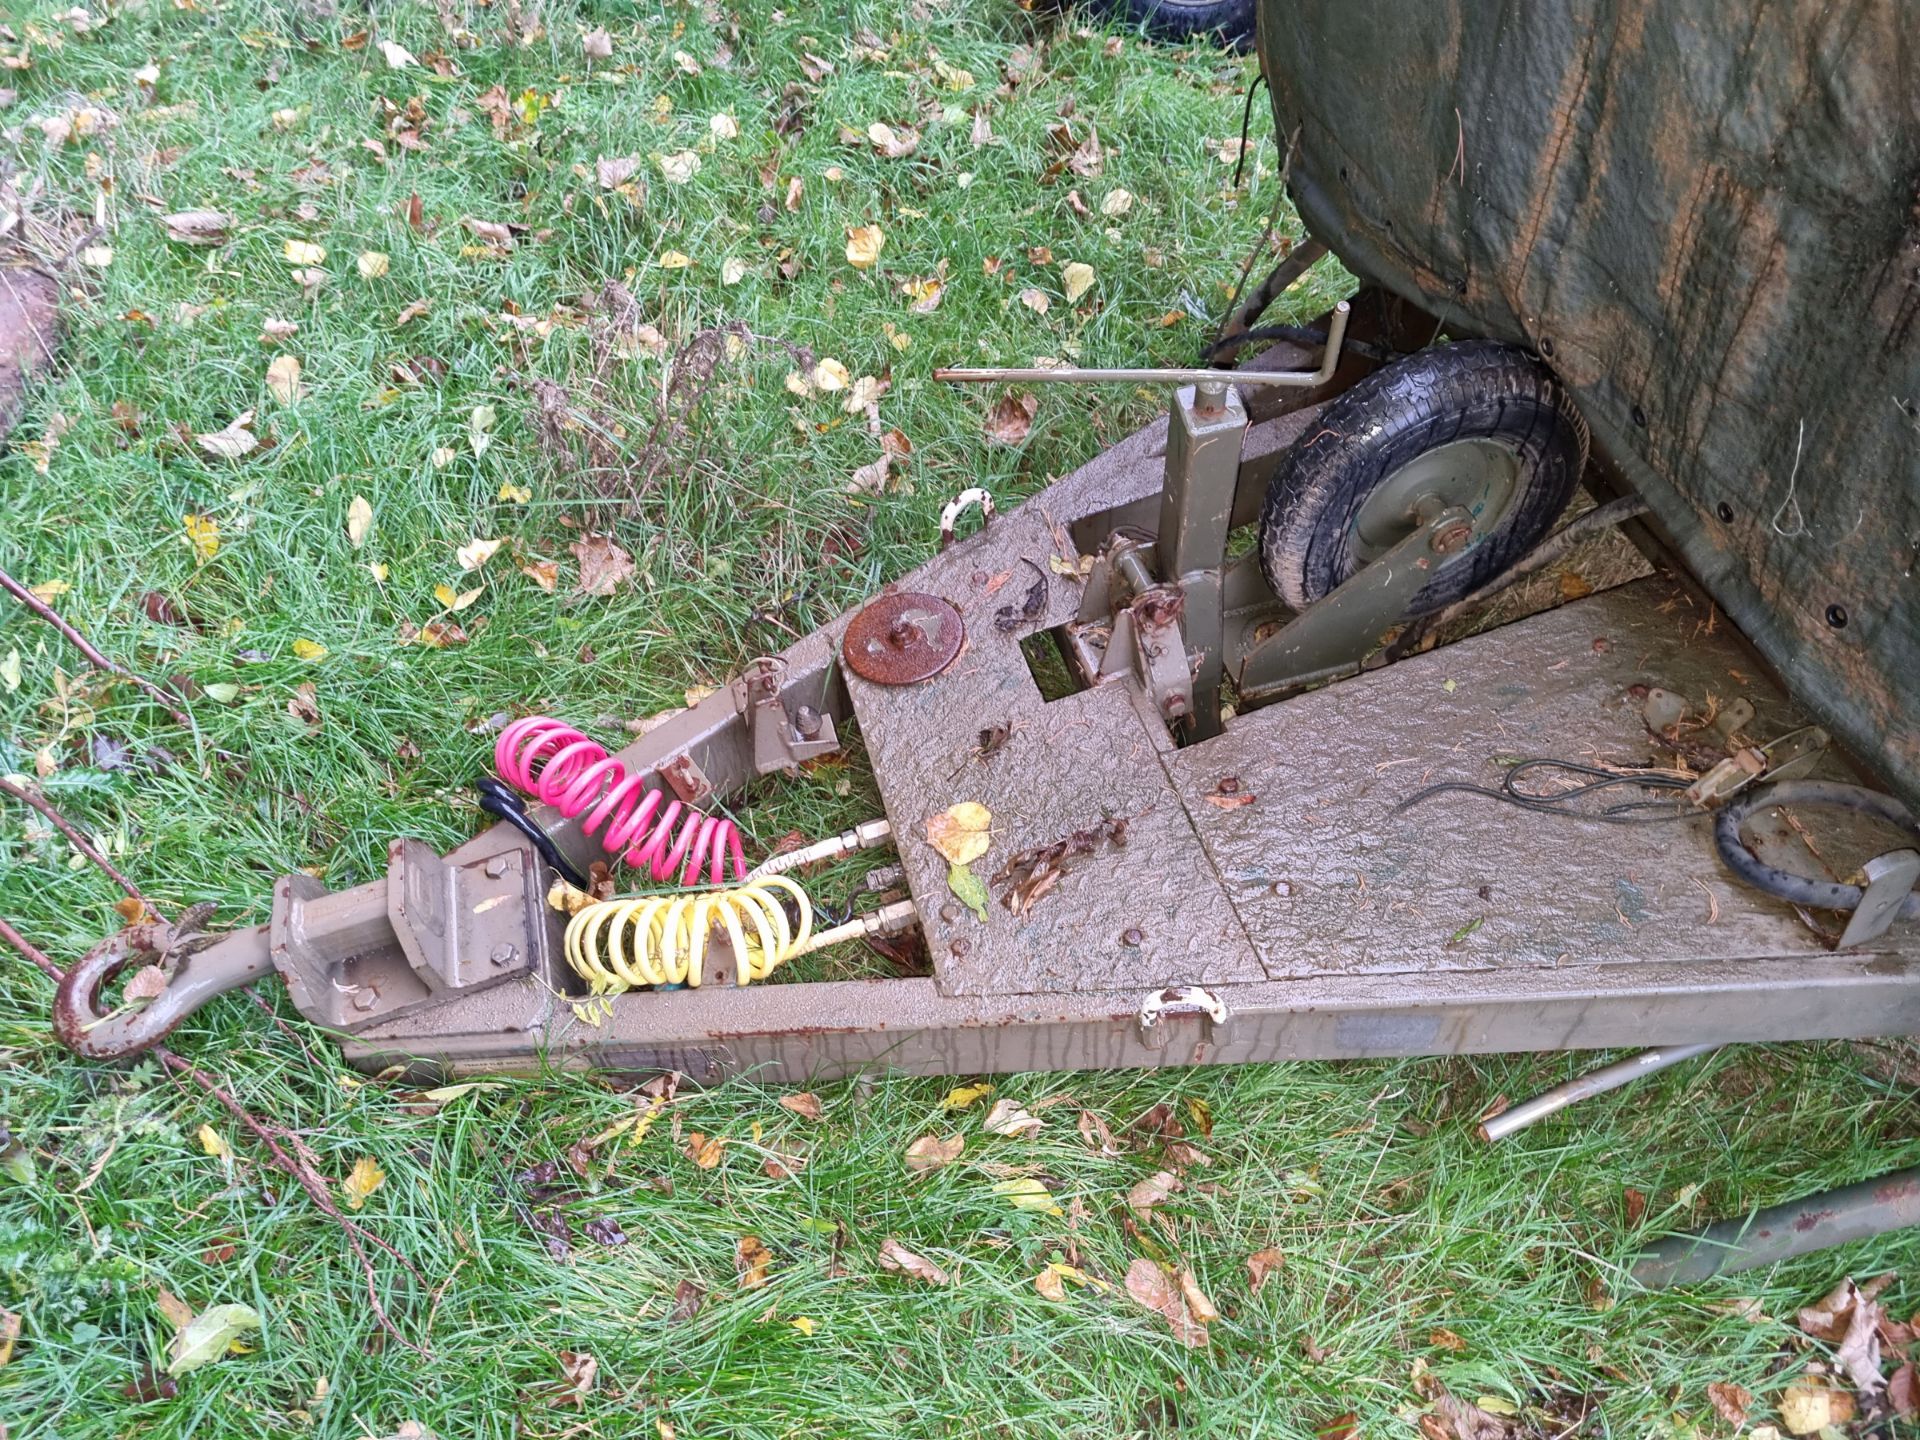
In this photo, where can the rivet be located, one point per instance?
(1133, 935)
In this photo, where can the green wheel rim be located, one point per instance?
(1481, 477)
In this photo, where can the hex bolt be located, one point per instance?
(1229, 785)
(496, 867)
(806, 720)
(365, 999)
(1133, 936)
(1451, 537)
(504, 954)
(959, 948)
(950, 912)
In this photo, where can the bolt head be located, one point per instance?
(1133, 936)
(1451, 537)
(503, 954)
(496, 867)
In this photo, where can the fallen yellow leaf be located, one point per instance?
(203, 533)
(802, 1324)
(309, 650)
(864, 244)
(372, 264)
(1027, 1193)
(960, 832)
(214, 1143)
(365, 1178)
(1077, 279)
(305, 252)
(962, 1096)
(359, 521)
(674, 260)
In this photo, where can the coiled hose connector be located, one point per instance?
(618, 945)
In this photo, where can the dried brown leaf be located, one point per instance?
(896, 1257)
(604, 566)
(1260, 1265)
(1154, 1288)
(930, 1152)
(1732, 1401)
(149, 982)
(750, 1260)
(704, 1150)
(1010, 421)
(198, 227)
(1010, 1117)
(804, 1103)
(1156, 1189)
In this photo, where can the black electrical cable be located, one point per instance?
(1814, 794)
(1560, 802)
(1246, 126)
(499, 799)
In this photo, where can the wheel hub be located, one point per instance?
(1480, 477)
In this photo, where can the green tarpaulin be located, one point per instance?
(1706, 217)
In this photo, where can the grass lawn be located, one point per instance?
(704, 171)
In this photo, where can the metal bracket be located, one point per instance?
(1333, 636)
(1162, 1005)
(779, 741)
(440, 929)
(1890, 879)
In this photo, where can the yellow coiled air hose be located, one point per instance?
(617, 945)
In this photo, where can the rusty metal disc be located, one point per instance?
(903, 638)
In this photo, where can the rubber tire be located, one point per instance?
(1180, 20)
(1477, 389)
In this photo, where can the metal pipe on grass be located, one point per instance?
(1594, 1082)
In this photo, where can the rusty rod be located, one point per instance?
(86, 647)
(1780, 1232)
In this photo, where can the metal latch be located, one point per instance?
(1889, 881)
(1181, 1000)
(1786, 758)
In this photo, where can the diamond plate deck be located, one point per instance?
(1065, 765)
(1329, 883)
